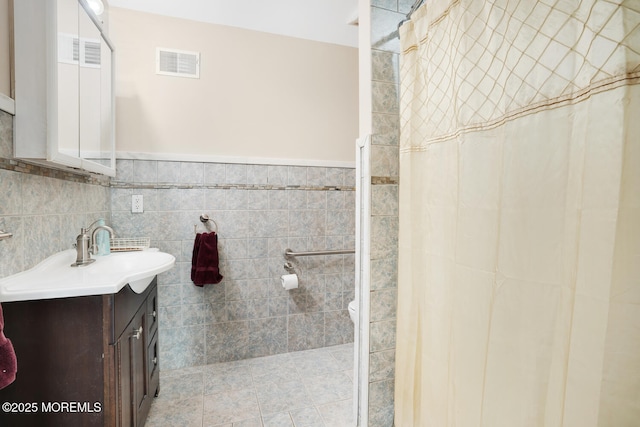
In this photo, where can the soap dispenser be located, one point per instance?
(103, 240)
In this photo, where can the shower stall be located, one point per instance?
(519, 241)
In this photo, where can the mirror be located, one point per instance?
(68, 75)
(85, 97)
(95, 100)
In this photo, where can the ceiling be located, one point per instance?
(329, 21)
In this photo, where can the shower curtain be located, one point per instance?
(519, 268)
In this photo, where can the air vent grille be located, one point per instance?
(91, 53)
(78, 51)
(179, 63)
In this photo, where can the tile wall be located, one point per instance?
(385, 16)
(260, 211)
(43, 208)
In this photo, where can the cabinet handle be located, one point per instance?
(138, 333)
(154, 314)
(155, 360)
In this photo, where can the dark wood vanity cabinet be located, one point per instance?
(136, 355)
(83, 361)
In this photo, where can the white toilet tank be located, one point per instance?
(353, 311)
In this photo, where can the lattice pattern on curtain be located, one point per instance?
(510, 57)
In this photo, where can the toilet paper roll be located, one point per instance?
(289, 281)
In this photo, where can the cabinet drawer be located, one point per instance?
(125, 305)
(152, 314)
(153, 364)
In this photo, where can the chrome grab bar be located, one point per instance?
(290, 253)
(5, 235)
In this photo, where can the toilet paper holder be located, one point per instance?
(289, 268)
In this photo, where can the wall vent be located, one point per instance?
(78, 51)
(91, 51)
(68, 48)
(179, 63)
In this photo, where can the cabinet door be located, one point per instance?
(139, 383)
(59, 346)
(124, 391)
(132, 379)
(67, 112)
(96, 142)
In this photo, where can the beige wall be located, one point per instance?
(5, 68)
(259, 96)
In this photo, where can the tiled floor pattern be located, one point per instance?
(312, 388)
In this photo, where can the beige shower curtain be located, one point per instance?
(519, 283)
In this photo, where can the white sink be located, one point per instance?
(55, 278)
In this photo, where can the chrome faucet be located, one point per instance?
(94, 245)
(86, 245)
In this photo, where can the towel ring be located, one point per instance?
(204, 218)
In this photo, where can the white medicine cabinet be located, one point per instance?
(64, 97)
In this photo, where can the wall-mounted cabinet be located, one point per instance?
(64, 98)
(6, 102)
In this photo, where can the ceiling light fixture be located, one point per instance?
(97, 6)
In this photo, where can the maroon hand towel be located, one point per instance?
(8, 362)
(194, 256)
(205, 259)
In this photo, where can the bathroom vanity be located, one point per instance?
(83, 361)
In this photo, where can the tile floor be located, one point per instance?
(312, 388)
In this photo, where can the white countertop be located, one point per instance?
(55, 278)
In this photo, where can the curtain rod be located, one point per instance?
(415, 6)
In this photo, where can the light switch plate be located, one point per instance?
(137, 205)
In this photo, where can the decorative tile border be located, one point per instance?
(150, 186)
(385, 180)
(34, 169)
